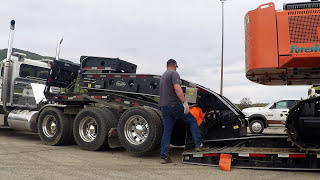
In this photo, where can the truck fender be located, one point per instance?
(260, 117)
(50, 105)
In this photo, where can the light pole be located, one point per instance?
(222, 46)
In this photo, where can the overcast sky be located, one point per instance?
(147, 33)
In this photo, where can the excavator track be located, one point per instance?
(303, 123)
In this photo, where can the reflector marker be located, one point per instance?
(257, 155)
(205, 155)
(297, 156)
(243, 154)
(126, 102)
(210, 154)
(292, 155)
(283, 155)
(197, 155)
(251, 155)
(136, 104)
(97, 68)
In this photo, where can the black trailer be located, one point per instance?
(268, 151)
(103, 103)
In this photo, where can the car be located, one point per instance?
(273, 114)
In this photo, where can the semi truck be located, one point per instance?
(103, 103)
(100, 103)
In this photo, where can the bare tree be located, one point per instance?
(245, 103)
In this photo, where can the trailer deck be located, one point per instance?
(269, 151)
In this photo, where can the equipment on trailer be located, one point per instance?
(282, 48)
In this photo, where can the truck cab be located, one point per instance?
(273, 114)
(22, 91)
(27, 82)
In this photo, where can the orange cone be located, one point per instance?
(225, 162)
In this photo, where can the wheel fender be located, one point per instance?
(49, 105)
(260, 117)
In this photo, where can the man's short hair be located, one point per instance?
(171, 62)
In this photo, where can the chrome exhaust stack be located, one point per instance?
(11, 35)
(7, 88)
(58, 48)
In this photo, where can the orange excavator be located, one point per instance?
(282, 48)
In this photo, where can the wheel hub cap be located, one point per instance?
(49, 126)
(256, 127)
(136, 130)
(88, 129)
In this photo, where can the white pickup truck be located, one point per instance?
(273, 114)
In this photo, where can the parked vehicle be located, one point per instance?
(314, 91)
(273, 114)
(100, 103)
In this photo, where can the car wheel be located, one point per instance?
(256, 127)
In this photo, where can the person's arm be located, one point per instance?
(176, 84)
(179, 93)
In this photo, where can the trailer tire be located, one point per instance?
(134, 124)
(256, 126)
(91, 127)
(54, 127)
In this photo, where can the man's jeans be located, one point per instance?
(170, 114)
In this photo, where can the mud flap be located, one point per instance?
(113, 138)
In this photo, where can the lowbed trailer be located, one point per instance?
(269, 151)
(111, 88)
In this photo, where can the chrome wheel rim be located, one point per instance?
(136, 130)
(88, 129)
(49, 126)
(256, 127)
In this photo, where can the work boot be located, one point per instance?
(166, 161)
(202, 148)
